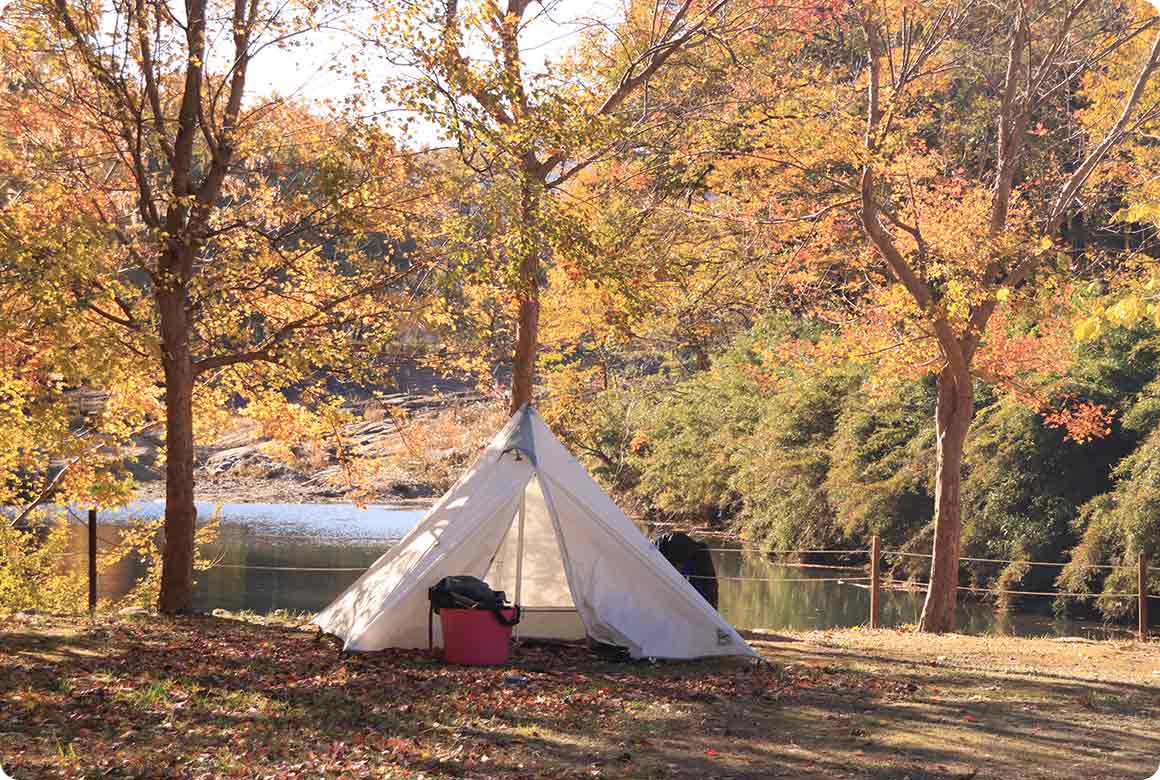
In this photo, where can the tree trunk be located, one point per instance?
(527, 337)
(955, 407)
(180, 511)
(528, 317)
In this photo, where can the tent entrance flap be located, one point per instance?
(528, 563)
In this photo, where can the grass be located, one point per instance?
(208, 698)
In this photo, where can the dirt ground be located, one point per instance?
(207, 698)
(992, 707)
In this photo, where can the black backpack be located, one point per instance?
(692, 559)
(464, 592)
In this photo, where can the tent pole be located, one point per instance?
(520, 555)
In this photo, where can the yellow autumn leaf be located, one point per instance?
(1126, 312)
(1045, 244)
(1002, 294)
(1087, 329)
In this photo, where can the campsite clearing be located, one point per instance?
(208, 698)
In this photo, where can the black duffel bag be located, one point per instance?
(465, 592)
(691, 558)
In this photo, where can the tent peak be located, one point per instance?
(521, 438)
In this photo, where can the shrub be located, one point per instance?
(883, 459)
(42, 569)
(37, 571)
(1114, 528)
(685, 447)
(782, 468)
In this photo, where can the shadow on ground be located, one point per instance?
(209, 698)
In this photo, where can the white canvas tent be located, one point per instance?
(528, 519)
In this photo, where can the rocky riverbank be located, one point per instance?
(384, 460)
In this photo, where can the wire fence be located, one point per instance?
(891, 582)
(338, 540)
(869, 573)
(290, 568)
(1047, 593)
(1058, 564)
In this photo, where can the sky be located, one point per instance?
(306, 72)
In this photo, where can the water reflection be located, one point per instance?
(295, 575)
(269, 556)
(298, 557)
(756, 592)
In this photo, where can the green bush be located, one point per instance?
(43, 566)
(684, 450)
(781, 469)
(1114, 528)
(798, 453)
(882, 474)
(1023, 483)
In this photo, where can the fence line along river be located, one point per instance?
(297, 557)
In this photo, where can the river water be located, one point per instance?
(298, 557)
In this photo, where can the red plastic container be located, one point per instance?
(474, 637)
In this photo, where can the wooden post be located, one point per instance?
(1142, 584)
(92, 561)
(874, 580)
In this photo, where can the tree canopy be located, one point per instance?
(820, 270)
